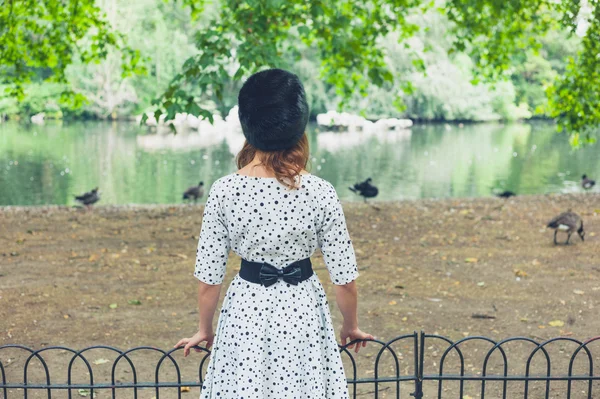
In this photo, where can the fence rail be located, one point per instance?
(413, 365)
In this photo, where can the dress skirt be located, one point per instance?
(275, 342)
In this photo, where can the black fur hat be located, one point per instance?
(273, 110)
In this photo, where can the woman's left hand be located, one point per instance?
(354, 334)
(198, 338)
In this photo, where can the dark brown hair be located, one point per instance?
(286, 164)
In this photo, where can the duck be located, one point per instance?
(194, 192)
(365, 189)
(506, 194)
(89, 198)
(567, 222)
(587, 183)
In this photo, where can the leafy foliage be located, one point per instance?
(247, 36)
(440, 85)
(575, 99)
(348, 36)
(499, 31)
(344, 47)
(39, 39)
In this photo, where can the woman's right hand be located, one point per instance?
(353, 334)
(201, 336)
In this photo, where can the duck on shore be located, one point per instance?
(587, 183)
(194, 192)
(365, 189)
(567, 222)
(89, 198)
(506, 194)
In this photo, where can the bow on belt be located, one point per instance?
(269, 274)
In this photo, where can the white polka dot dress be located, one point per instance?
(275, 342)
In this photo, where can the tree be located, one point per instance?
(158, 31)
(348, 35)
(42, 38)
(245, 36)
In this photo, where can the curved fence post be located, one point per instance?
(591, 363)
(3, 376)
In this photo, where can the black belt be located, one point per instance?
(266, 274)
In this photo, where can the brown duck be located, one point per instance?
(568, 222)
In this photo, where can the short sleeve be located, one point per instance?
(334, 239)
(213, 244)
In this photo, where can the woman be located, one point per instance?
(274, 338)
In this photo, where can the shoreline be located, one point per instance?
(140, 207)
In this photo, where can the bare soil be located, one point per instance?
(122, 276)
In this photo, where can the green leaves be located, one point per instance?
(347, 37)
(49, 35)
(257, 34)
(575, 97)
(499, 32)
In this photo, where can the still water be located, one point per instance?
(49, 164)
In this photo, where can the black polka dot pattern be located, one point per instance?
(278, 341)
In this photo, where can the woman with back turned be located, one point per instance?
(274, 337)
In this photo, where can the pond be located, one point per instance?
(49, 164)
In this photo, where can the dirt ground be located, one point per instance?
(122, 276)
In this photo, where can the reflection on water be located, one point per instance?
(48, 164)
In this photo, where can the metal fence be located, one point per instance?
(413, 365)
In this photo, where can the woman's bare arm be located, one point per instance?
(208, 297)
(346, 297)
